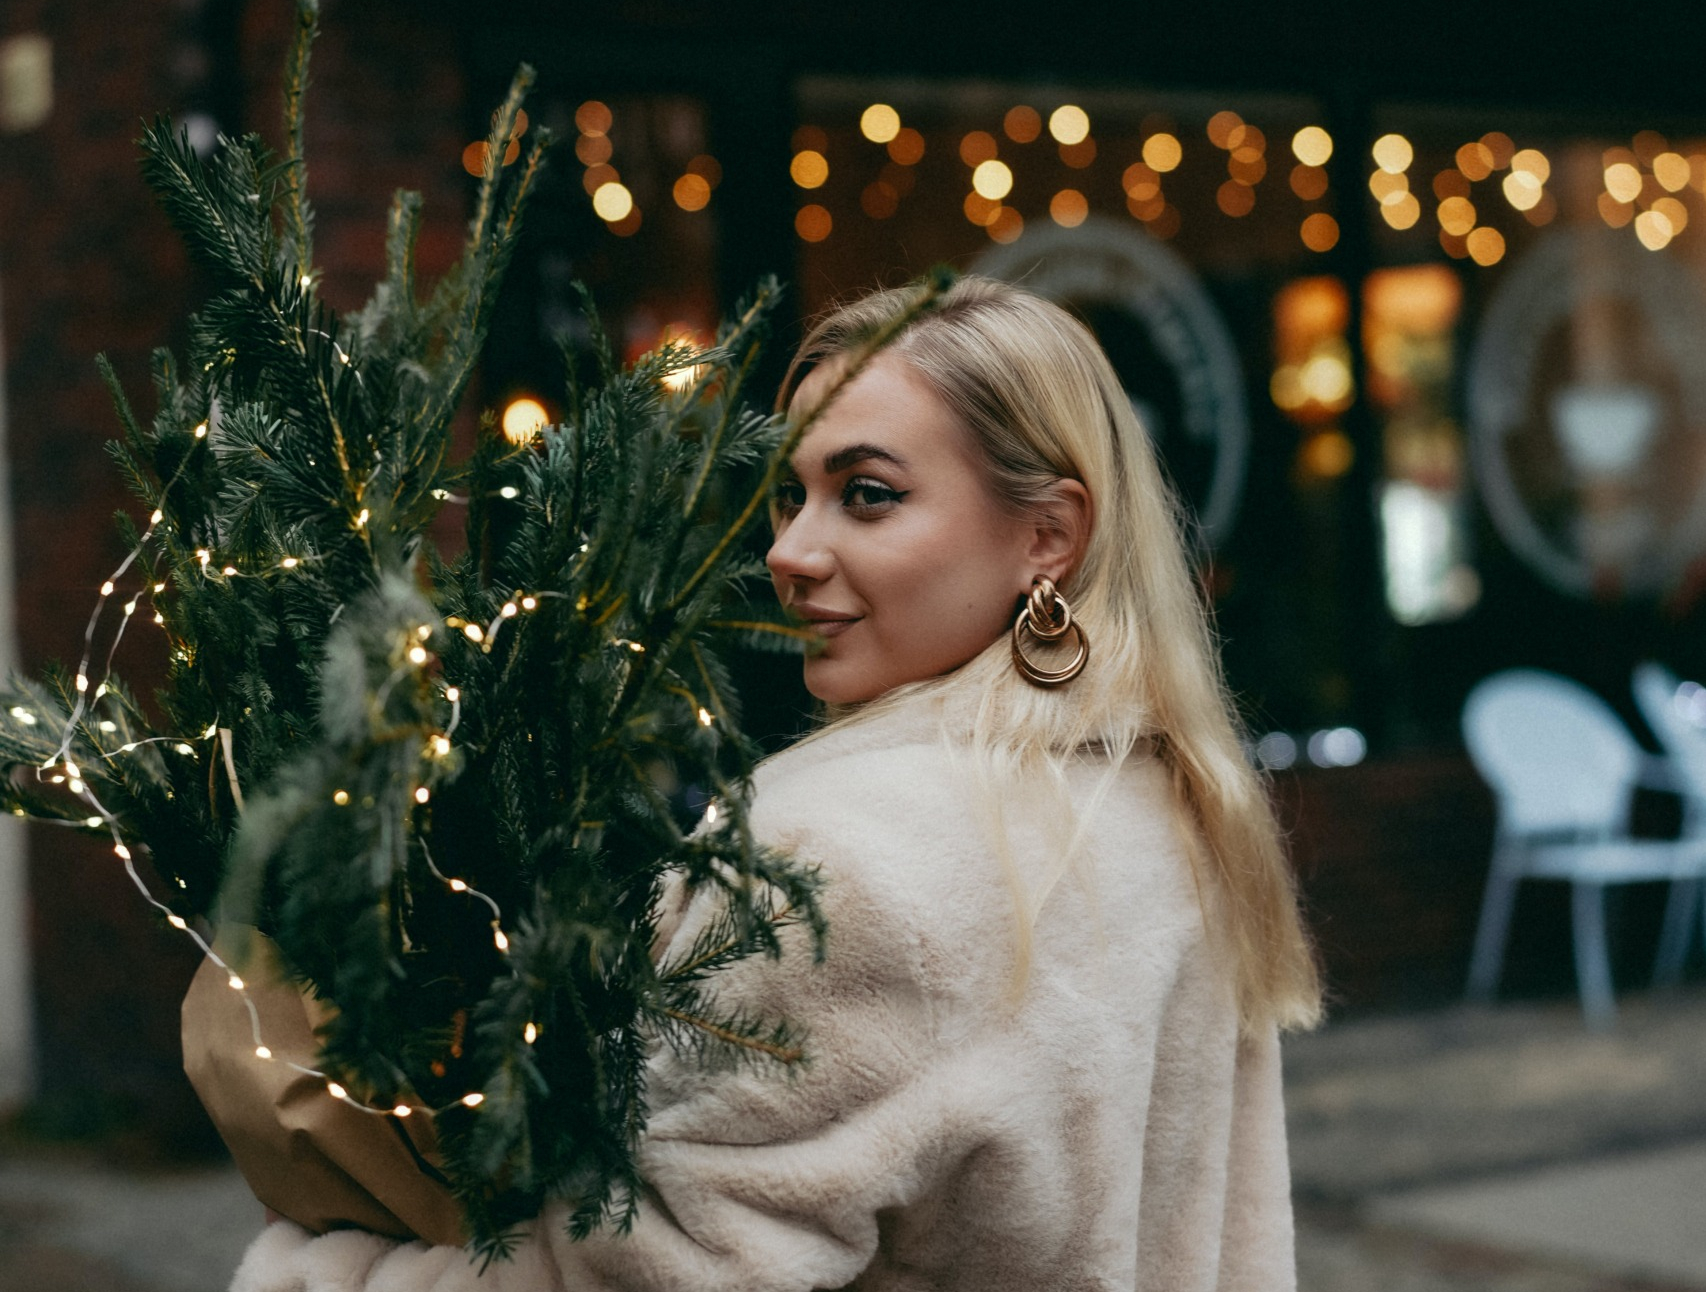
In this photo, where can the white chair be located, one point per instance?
(1563, 768)
(1673, 711)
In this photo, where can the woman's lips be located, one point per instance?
(831, 627)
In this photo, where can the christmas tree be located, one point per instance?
(442, 782)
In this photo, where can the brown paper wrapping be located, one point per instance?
(306, 1155)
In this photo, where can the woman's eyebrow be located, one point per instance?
(841, 459)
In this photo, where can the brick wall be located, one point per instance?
(90, 265)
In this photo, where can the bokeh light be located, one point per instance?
(1653, 230)
(1022, 125)
(809, 169)
(879, 200)
(1312, 146)
(1220, 128)
(1623, 181)
(522, 417)
(593, 118)
(1320, 232)
(1069, 124)
(1402, 213)
(1068, 208)
(1475, 161)
(879, 123)
(992, 179)
(1308, 182)
(1457, 215)
(907, 147)
(1162, 152)
(1235, 199)
(1140, 181)
(592, 149)
(1486, 245)
(1006, 226)
(1393, 154)
(612, 202)
(1671, 171)
(977, 147)
(980, 210)
(1531, 161)
(813, 223)
(691, 192)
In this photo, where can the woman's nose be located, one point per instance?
(799, 553)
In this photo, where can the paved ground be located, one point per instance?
(1489, 1151)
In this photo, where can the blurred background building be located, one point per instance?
(1412, 297)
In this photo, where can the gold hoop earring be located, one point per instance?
(1046, 616)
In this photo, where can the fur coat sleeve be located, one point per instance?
(1098, 1122)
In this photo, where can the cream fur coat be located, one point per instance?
(1108, 1130)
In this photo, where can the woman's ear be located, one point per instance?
(1061, 531)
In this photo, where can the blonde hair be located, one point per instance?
(1041, 400)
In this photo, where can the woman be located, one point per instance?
(1062, 931)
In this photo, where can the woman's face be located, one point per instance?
(889, 543)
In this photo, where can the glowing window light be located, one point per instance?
(1393, 154)
(879, 123)
(522, 418)
(1162, 152)
(992, 179)
(1069, 124)
(612, 202)
(1312, 146)
(1623, 181)
(809, 169)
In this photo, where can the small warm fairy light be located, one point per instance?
(289, 563)
(705, 718)
(340, 797)
(499, 938)
(107, 588)
(529, 603)
(201, 431)
(530, 1033)
(23, 715)
(422, 794)
(159, 587)
(457, 886)
(263, 1052)
(229, 571)
(417, 655)
(156, 516)
(82, 682)
(336, 1091)
(362, 518)
(523, 418)
(453, 694)
(177, 921)
(637, 648)
(509, 491)
(93, 822)
(235, 983)
(402, 1110)
(182, 748)
(159, 618)
(712, 812)
(122, 852)
(423, 631)
(441, 745)
(510, 610)
(474, 1100)
(473, 632)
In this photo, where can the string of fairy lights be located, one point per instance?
(62, 769)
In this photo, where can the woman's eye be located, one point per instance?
(866, 495)
(789, 497)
